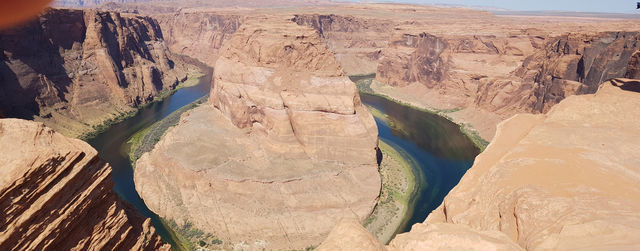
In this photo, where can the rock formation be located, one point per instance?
(199, 35)
(498, 73)
(73, 69)
(56, 194)
(284, 150)
(563, 180)
(356, 41)
(575, 64)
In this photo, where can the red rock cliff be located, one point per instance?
(56, 194)
(72, 68)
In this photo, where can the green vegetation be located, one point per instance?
(100, 128)
(145, 140)
(474, 136)
(398, 187)
(364, 86)
(193, 78)
(189, 237)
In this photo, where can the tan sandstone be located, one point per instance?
(283, 152)
(56, 194)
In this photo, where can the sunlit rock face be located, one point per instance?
(56, 194)
(281, 153)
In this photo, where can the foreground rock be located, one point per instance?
(56, 194)
(284, 150)
(564, 180)
(75, 69)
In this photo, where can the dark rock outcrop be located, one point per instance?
(578, 64)
(73, 69)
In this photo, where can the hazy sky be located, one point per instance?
(621, 6)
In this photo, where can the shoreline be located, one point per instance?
(145, 139)
(364, 86)
(398, 189)
(192, 79)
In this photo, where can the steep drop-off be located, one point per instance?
(74, 69)
(282, 152)
(56, 194)
(564, 180)
(357, 42)
(492, 75)
(199, 35)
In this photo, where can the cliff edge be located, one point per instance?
(56, 194)
(562, 180)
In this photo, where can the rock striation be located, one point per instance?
(563, 180)
(356, 41)
(284, 150)
(74, 69)
(557, 181)
(56, 194)
(197, 34)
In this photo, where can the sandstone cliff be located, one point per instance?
(74, 69)
(199, 35)
(576, 64)
(284, 150)
(563, 180)
(498, 72)
(56, 194)
(356, 41)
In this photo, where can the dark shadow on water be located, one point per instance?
(110, 144)
(441, 152)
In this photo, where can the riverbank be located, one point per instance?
(193, 78)
(144, 140)
(398, 186)
(367, 84)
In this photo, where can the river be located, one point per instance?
(442, 152)
(112, 147)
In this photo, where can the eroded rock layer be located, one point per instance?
(282, 152)
(199, 35)
(56, 194)
(565, 180)
(73, 69)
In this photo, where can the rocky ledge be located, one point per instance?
(284, 150)
(562, 180)
(56, 194)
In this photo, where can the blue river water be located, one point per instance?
(440, 152)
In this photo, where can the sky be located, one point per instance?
(612, 6)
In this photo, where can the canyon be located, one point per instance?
(540, 184)
(77, 69)
(284, 153)
(295, 149)
(56, 194)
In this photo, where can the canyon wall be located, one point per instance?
(74, 69)
(500, 74)
(357, 42)
(199, 35)
(562, 180)
(56, 194)
(283, 150)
